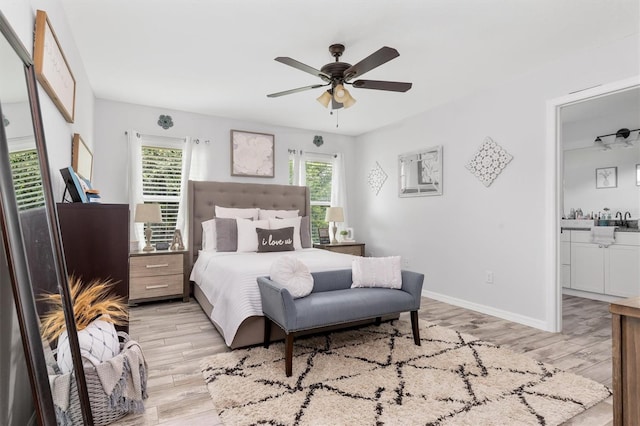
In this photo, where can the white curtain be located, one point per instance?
(339, 187)
(135, 183)
(297, 157)
(183, 213)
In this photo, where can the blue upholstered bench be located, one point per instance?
(334, 302)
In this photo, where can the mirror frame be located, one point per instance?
(14, 244)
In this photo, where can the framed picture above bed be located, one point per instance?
(252, 154)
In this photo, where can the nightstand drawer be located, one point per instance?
(153, 266)
(354, 250)
(147, 287)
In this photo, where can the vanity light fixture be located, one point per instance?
(621, 138)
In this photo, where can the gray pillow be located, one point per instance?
(226, 234)
(275, 239)
(305, 232)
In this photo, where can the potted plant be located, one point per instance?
(96, 312)
(344, 234)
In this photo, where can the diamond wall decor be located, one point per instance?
(489, 161)
(376, 178)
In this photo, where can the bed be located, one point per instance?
(238, 315)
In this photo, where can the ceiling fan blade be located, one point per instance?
(381, 56)
(299, 89)
(302, 67)
(392, 86)
(335, 104)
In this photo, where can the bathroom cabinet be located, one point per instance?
(613, 270)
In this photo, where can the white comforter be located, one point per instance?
(229, 281)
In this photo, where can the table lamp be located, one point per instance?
(148, 213)
(334, 214)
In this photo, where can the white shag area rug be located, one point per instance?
(376, 375)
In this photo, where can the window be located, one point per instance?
(161, 182)
(27, 181)
(318, 176)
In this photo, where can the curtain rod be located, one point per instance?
(184, 138)
(293, 151)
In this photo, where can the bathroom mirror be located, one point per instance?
(420, 172)
(29, 224)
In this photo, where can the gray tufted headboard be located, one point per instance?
(203, 196)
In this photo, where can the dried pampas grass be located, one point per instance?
(90, 301)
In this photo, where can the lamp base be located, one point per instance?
(333, 237)
(147, 236)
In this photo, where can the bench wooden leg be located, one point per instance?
(288, 354)
(414, 328)
(267, 332)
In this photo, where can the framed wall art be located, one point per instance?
(81, 158)
(606, 177)
(420, 172)
(252, 154)
(52, 69)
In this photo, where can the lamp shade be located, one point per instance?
(324, 99)
(148, 213)
(334, 214)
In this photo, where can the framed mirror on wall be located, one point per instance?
(30, 233)
(420, 172)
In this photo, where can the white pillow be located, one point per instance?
(293, 275)
(209, 235)
(230, 212)
(247, 235)
(377, 272)
(285, 223)
(268, 214)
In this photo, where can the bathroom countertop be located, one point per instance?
(618, 229)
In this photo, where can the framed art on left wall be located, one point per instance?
(52, 69)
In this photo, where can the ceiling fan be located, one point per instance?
(337, 74)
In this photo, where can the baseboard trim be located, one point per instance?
(589, 295)
(506, 315)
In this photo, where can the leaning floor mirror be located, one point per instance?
(31, 245)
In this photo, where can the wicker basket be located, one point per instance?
(101, 407)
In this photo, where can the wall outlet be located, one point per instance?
(488, 277)
(405, 262)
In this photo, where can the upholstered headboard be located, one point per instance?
(203, 196)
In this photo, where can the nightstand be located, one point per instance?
(157, 275)
(356, 249)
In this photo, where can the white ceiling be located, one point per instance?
(215, 57)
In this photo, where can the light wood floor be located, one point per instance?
(176, 336)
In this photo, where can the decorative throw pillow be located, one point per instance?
(268, 214)
(247, 236)
(285, 223)
(275, 239)
(377, 272)
(233, 212)
(209, 235)
(305, 232)
(226, 234)
(293, 275)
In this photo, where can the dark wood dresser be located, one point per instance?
(625, 316)
(95, 239)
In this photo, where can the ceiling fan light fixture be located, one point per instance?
(340, 94)
(324, 99)
(349, 102)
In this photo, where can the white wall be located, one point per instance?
(111, 152)
(58, 133)
(454, 239)
(580, 180)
